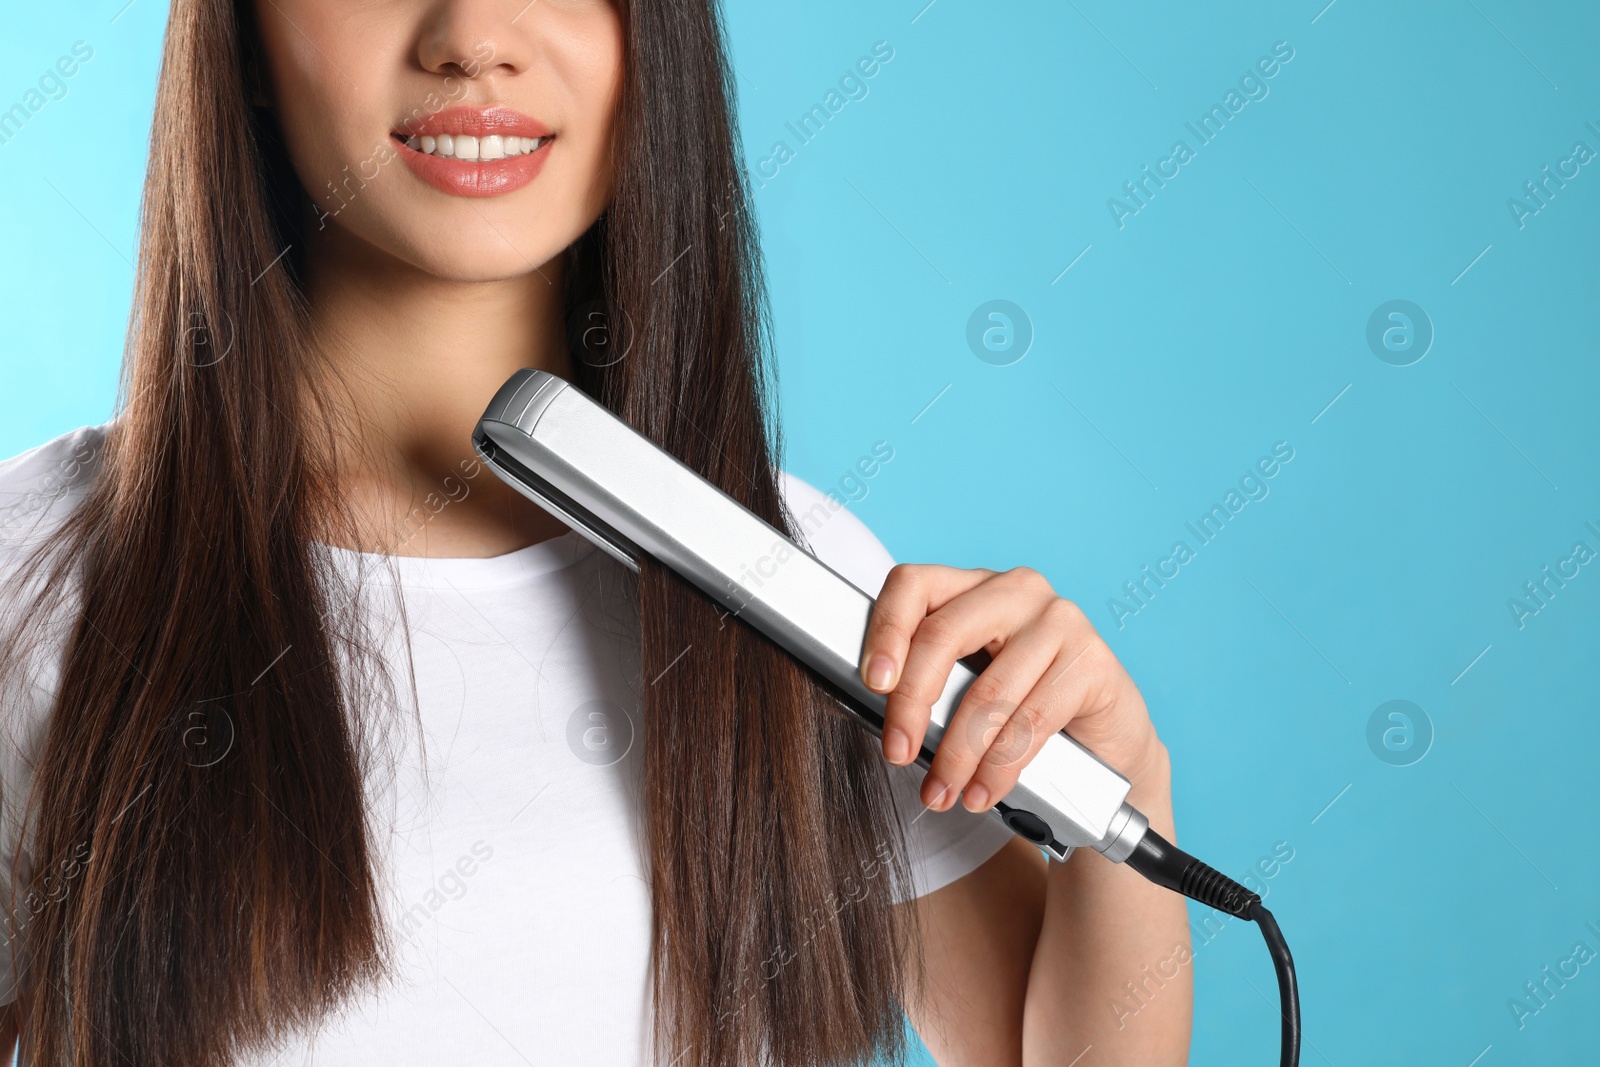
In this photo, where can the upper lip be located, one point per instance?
(475, 122)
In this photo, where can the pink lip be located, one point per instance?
(472, 178)
(476, 122)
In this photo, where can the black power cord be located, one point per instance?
(1172, 868)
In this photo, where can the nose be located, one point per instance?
(475, 38)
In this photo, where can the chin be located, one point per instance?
(460, 247)
(477, 261)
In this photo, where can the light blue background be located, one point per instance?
(1223, 317)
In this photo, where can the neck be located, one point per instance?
(417, 358)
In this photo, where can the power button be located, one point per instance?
(1028, 825)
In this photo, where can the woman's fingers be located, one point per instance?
(909, 593)
(990, 734)
(1076, 686)
(1050, 668)
(971, 610)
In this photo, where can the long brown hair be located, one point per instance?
(214, 903)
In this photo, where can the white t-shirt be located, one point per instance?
(513, 868)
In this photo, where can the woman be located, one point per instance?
(231, 840)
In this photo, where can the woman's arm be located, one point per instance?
(1111, 972)
(1029, 963)
(978, 938)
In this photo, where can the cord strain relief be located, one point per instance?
(1211, 887)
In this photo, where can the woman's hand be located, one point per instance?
(1050, 670)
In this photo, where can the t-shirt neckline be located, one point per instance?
(466, 572)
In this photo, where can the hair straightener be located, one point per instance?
(570, 455)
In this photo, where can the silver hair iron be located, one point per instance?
(577, 460)
(567, 453)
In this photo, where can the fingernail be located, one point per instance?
(976, 797)
(897, 745)
(938, 789)
(880, 669)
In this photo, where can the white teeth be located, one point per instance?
(468, 147)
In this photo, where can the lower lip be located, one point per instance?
(462, 177)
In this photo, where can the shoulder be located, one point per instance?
(40, 487)
(58, 470)
(835, 534)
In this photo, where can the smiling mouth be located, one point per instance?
(473, 149)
